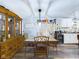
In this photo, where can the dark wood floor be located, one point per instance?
(63, 52)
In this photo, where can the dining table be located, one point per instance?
(52, 42)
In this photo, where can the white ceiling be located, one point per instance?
(50, 8)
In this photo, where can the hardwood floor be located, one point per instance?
(62, 52)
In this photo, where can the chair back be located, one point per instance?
(41, 40)
(41, 46)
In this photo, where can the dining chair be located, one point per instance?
(41, 46)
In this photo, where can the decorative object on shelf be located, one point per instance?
(2, 25)
(47, 21)
(43, 21)
(53, 21)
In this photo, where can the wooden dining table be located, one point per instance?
(52, 42)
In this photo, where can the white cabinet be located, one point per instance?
(70, 38)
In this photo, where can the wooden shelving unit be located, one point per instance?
(11, 38)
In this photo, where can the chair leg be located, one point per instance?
(25, 51)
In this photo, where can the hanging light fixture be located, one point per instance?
(39, 10)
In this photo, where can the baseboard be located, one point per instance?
(71, 43)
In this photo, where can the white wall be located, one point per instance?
(70, 38)
(67, 22)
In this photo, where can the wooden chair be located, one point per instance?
(41, 46)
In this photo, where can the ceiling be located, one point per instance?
(50, 8)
